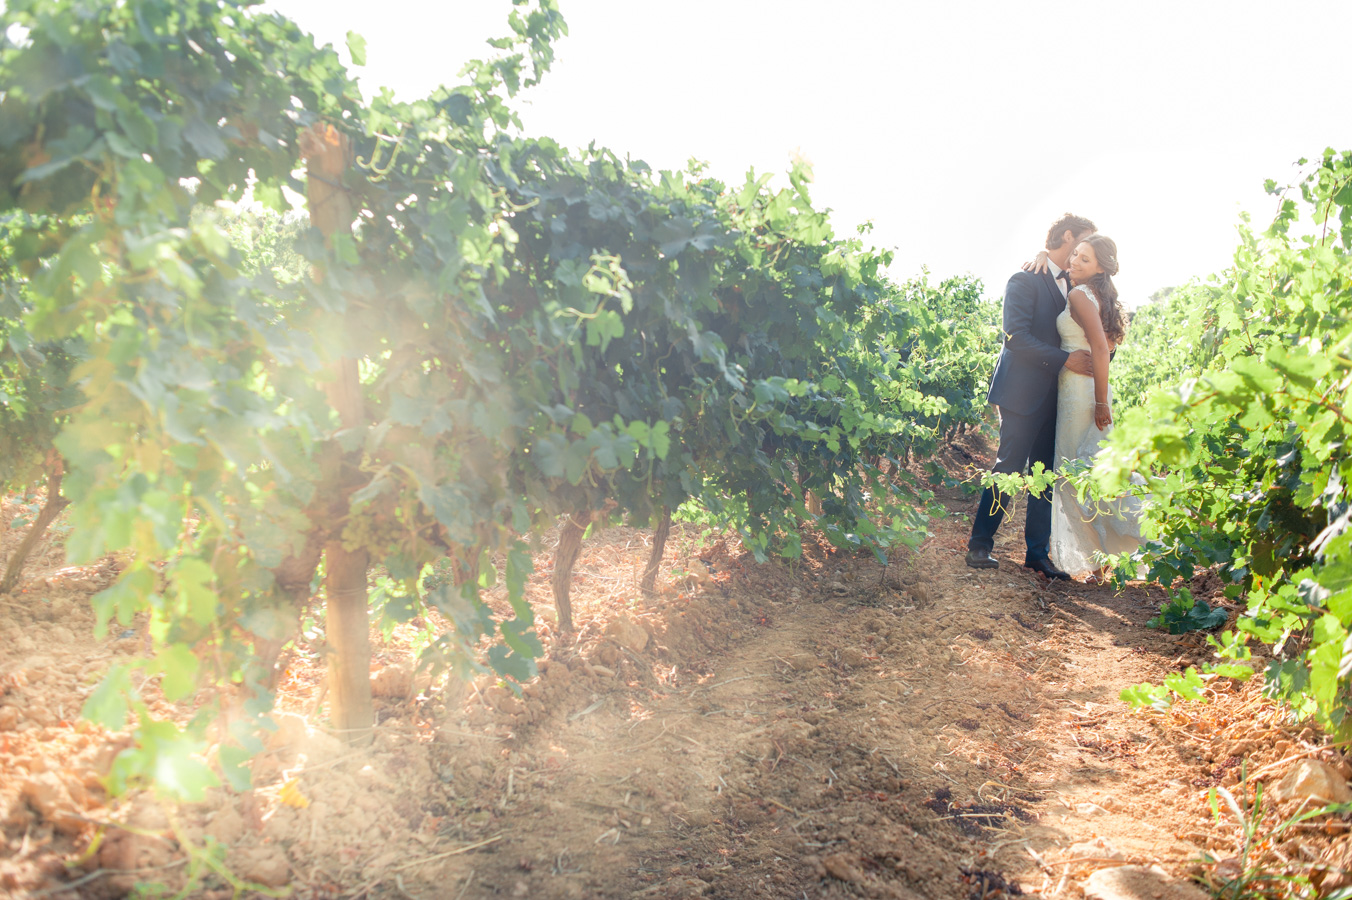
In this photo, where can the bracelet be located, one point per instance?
(1098, 403)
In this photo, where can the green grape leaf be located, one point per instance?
(179, 665)
(1188, 684)
(174, 765)
(519, 567)
(205, 139)
(550, 454)
(510, 664)
(138, 127)
(194, 580)
(1183, 614)
(107, 704)
(120, 145)
(235, 767)
(356, 47)
(123, 598)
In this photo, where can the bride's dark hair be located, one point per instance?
(1110, 310)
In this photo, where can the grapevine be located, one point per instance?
(1246, 460)
(478, 334)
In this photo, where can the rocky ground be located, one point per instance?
(827, 729)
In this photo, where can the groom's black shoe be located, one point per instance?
(1044, 567)
(981, 559)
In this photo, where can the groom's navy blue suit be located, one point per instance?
(1024, 387)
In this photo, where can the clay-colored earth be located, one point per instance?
(824, 729)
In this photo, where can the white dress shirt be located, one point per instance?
(1060, 282)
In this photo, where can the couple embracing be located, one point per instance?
(1062, 322)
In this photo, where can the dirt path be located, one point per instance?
(886, 734)
(829, 730)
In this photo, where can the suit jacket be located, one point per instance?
(1031, 358)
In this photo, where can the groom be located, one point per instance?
(1023, 389)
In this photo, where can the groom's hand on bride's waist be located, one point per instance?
(1081, 362)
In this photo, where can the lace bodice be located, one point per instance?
(1072, 335)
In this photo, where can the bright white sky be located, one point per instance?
(960, 129)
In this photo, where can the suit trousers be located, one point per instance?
(1024, 440)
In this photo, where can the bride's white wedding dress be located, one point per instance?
(1080, 531)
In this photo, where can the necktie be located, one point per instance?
(1065, 277)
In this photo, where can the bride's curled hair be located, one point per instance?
(1110, 310)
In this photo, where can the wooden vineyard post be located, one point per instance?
(814, 503)
(348, 629)
(326, 155)
(649, 583)
(811, 500)
(570, 545)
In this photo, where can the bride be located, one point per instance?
(1084, 531)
